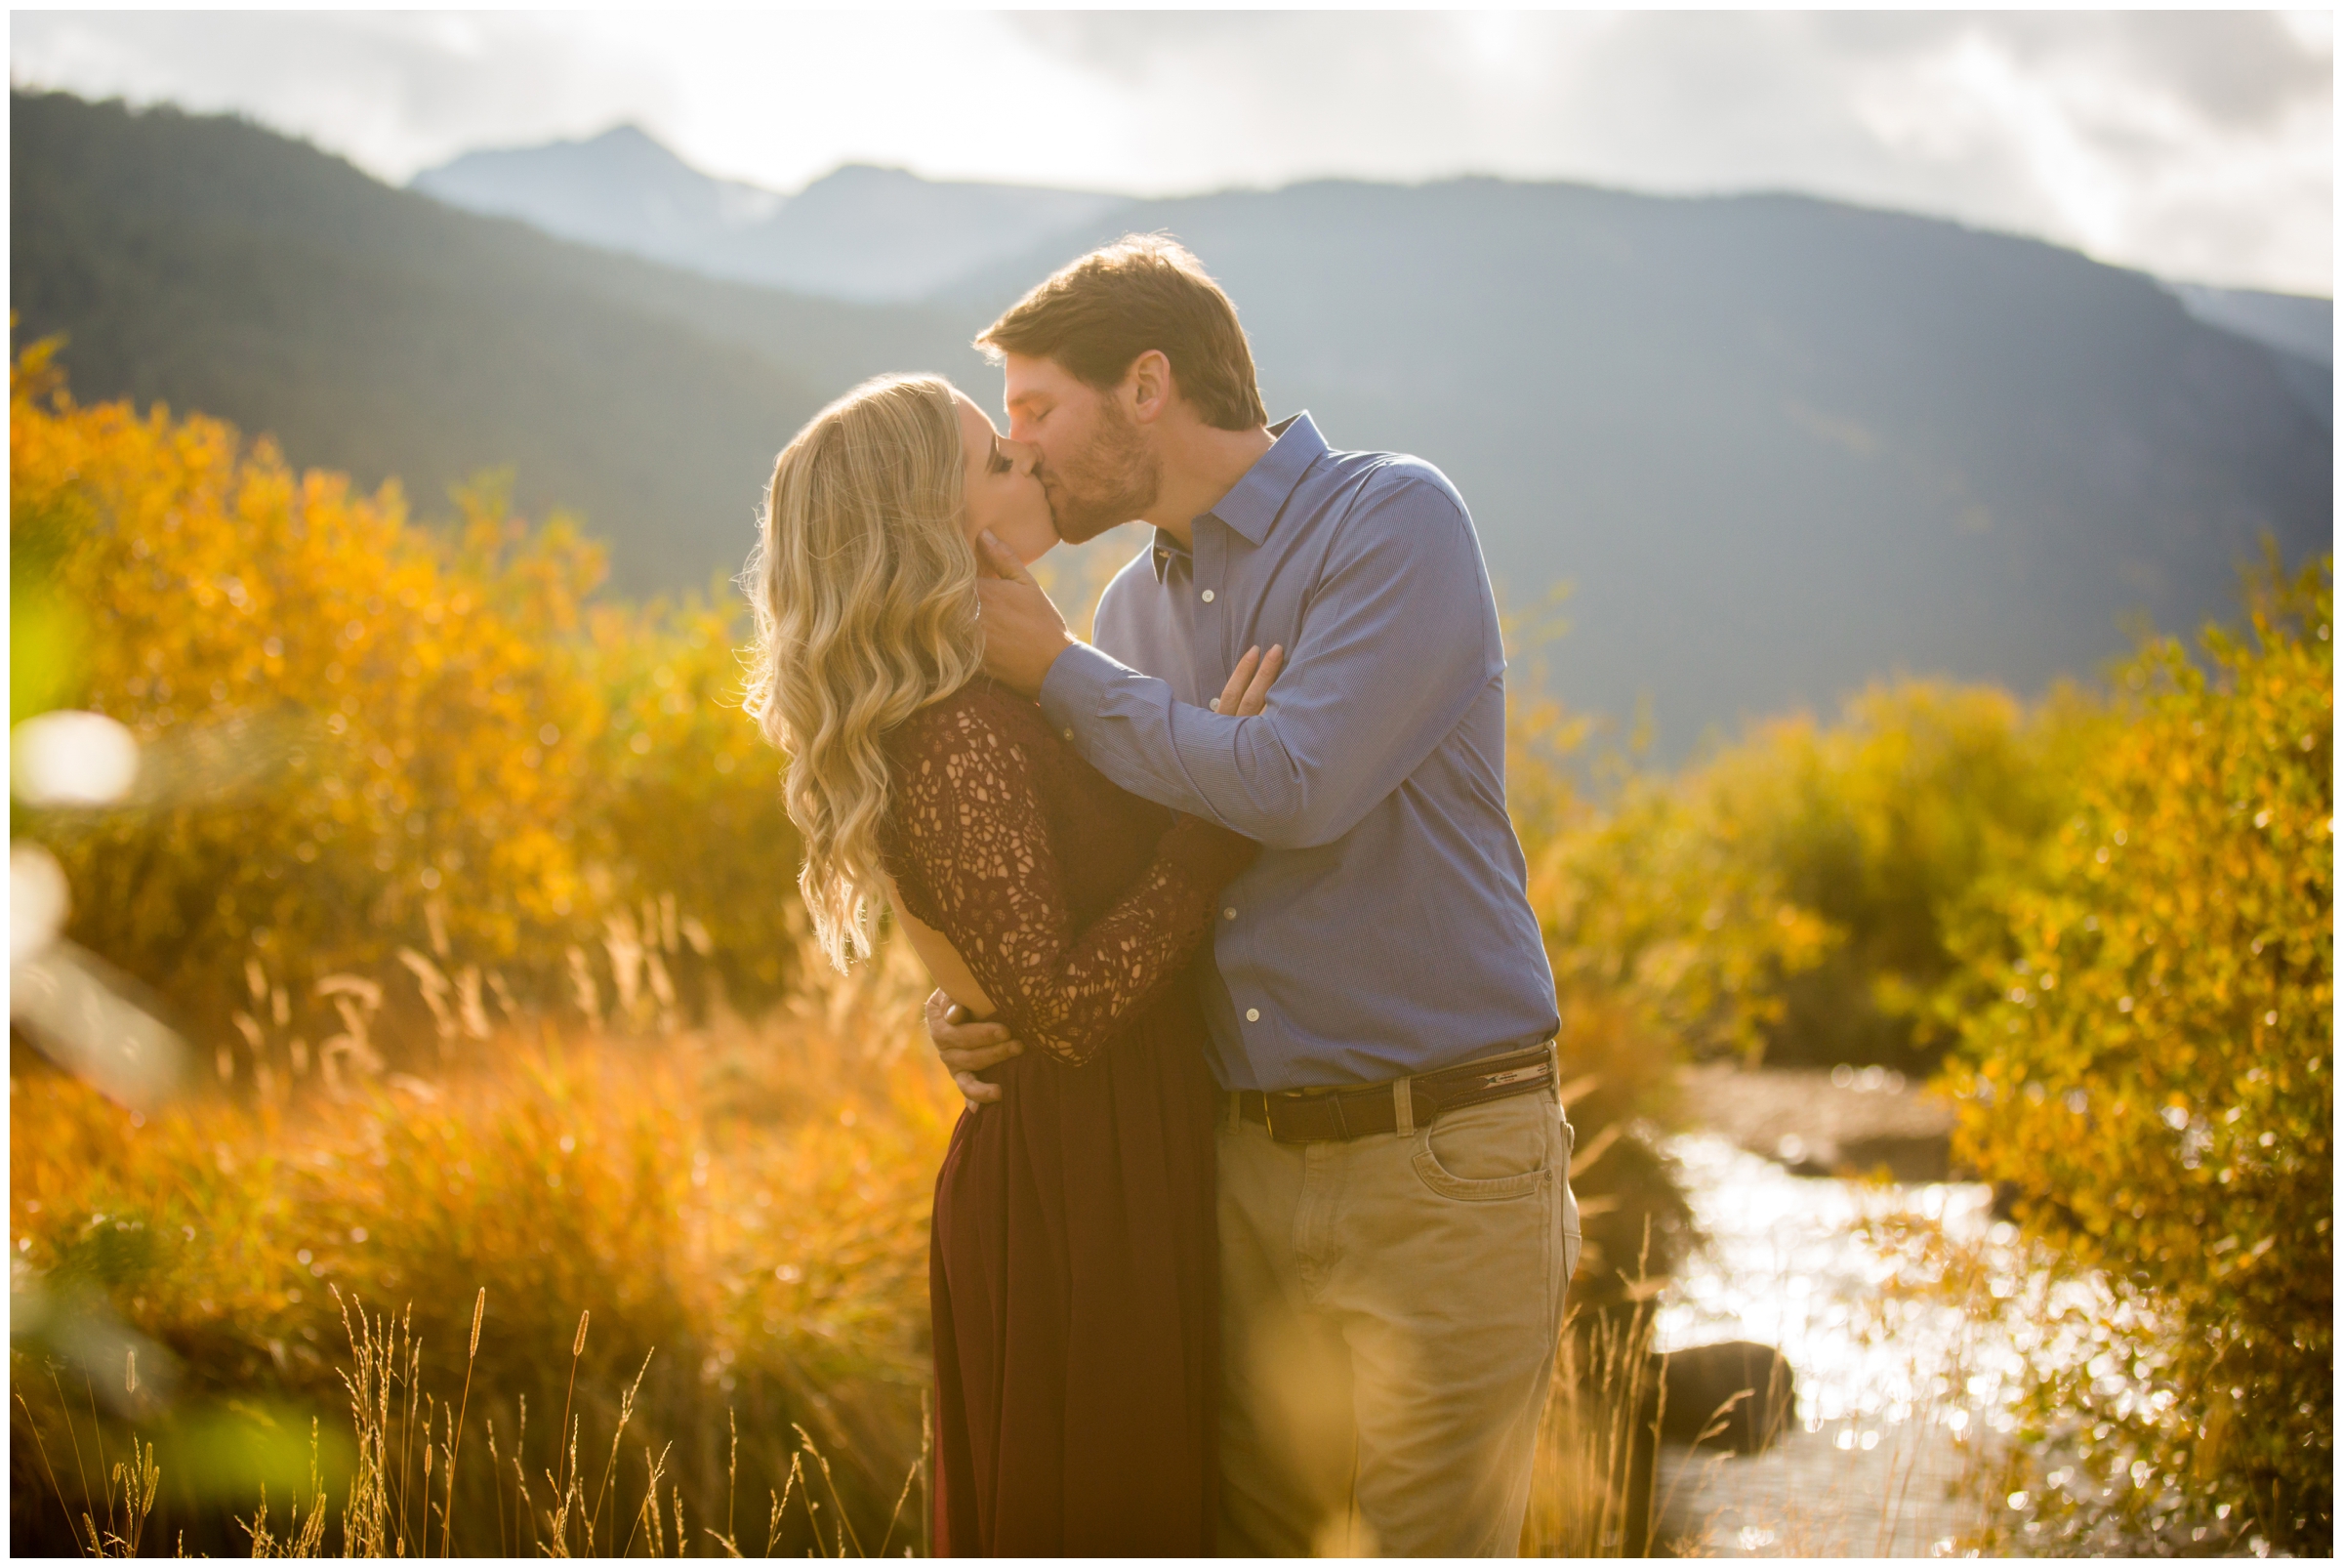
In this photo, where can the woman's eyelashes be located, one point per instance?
(999, 463)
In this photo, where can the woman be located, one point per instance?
(1072, 1260)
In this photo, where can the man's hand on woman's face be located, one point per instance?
(968, 1048)
(1023, 633)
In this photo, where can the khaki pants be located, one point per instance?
(1389, 1311)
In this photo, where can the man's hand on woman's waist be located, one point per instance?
(968, 1048)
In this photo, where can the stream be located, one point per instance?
(1893, 1397)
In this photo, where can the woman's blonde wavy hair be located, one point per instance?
(864, 588)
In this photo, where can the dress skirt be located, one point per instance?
(1073, 1270)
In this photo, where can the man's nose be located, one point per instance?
(1026, 456)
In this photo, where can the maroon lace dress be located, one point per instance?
(1073, 1265)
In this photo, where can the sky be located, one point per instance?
(2197, 145)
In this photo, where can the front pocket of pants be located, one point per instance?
(1492, 1189)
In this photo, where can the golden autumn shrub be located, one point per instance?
(362, 734)
(2146, 1060)
(1882, 824)
(1656, 898)
(1784, 899)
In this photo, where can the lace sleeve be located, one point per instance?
(979, 868)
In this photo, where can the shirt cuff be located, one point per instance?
(1074, 691)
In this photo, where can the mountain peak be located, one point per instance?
(628, 134)
(621, 188)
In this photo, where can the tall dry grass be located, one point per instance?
(1590, 1481)
(741, 1209)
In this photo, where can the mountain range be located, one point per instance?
(1779, 445)
(865, 233)
(859, 233)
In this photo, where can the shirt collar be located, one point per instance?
(1252, 506)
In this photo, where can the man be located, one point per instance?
(1396, 1222)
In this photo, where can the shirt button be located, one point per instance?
(1208, 596)
(1229, 913)
(1069, 735)
(1252, 1014)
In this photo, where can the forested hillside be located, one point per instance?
(213, 265)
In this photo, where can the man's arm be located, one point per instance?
(1398, 640)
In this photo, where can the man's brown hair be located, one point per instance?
(1099, 313)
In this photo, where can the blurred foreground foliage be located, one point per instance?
(743, 1208)
(2146, 1060)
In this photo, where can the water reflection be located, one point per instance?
(1894, 1390)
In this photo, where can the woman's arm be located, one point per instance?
(978, 870)
(968, 1046)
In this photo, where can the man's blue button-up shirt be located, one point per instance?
(1385, 928)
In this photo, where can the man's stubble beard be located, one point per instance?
(1112, 481)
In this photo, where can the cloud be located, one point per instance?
(391, 92)
(2194, 144)
(773, 99)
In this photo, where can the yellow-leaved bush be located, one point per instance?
(2146, 1061)
(364, 735)
(1784, 899)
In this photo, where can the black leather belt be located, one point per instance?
(1336, 1116)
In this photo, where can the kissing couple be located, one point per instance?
(1254, 1236)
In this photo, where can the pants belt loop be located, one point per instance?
(1236, 1110)
(1403, 1107)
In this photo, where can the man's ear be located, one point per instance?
(1149, 385)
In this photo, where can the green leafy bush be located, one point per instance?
(2146, 1060)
